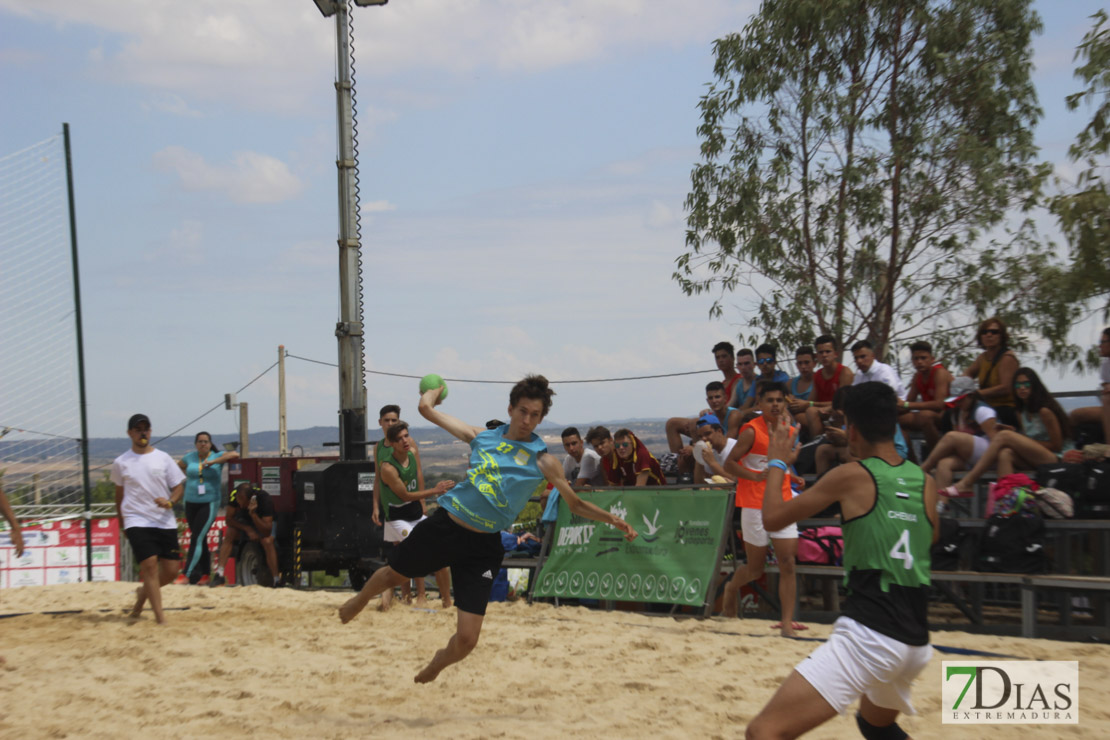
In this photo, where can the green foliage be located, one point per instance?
(856, 157)
(104, 492)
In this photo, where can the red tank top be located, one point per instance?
(926, 389)
(825, 389)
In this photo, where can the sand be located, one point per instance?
(238, 662)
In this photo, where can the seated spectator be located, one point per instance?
(743, 392)
(582, 467)
(250, 514)
(723, 357)
(766, 362)
(994, 370)
(677, 427)
(975, 424)
(1096, 415)
(712, 450)
(831, 375)
(798, 399)
(871, 370)
(924, 404)
(630, 463)
(1040, 439)
(835, 451)
(602, 441)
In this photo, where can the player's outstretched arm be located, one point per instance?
(390, 477)
(778, 513)
(552, 469)
(458, 428)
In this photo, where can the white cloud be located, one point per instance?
(172, 104)
(660, 215)
(251, 177)
(378, 206)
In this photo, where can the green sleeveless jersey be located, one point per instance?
(408, 478)
(886, 555)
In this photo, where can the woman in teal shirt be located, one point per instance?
(203, 469)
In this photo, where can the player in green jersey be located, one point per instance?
(881, 642)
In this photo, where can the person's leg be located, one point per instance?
(421, 597)
(383, 578)
(195, 516)
(468, 628)
(154, 573)
(948, 445)
(443, 583)
(929, 427)
(1027, 451)
(753, 569)
(1005, 462)
(824, 458)
(813, 422)
(878, 717)
(786, 553)
(944, 471)
(226, 544)
(271, 556)
(796, 708)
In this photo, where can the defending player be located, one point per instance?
(508, 465)
(881, 642)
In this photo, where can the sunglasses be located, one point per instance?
(623, 445)
(1023, 384)
(990, 331)
(766, 361)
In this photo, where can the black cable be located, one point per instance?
(8, 429)
(218, 405)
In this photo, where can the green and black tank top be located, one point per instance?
(886, 555)
(394, 507)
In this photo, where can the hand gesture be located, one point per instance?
(376, 517)
(163, 503)
(432, 396)
(17, 541)
(444, 486)
(797, 407)
(780, 445)
(836, 436)
(629, 533)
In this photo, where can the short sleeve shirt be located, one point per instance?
(265, 503)
(146, 477)
(882, 373)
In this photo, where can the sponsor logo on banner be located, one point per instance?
(1013, 692)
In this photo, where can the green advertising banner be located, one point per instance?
(673, 561)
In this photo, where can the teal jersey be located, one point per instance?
(212, 475)
(502, 476)
(886, 555)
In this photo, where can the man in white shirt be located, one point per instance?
(871, 369)
(712, 450)
(148, 484)
(581, 466)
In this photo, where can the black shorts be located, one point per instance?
(438, 542)
(147, 542)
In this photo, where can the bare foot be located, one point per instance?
(140, 599)
(446, 602)
(421, 602)
(728, 601)
(430, 671)
(349, 610)
(385, 604)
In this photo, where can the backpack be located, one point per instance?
(821, 546)
(945, 552)
(1054, 504)
(1070, 478)
(1002, 498)
(1012, 544)
(1093, 501)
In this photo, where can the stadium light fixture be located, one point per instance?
(327, 7)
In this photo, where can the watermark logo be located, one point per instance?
(1012, 692)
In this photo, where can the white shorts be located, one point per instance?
(751, 525)
(858, 661)
(981, 445)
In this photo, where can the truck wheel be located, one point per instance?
(251, 568)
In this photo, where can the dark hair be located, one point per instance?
(1039, 398)
(763, 387)
(391, 408)
(1004, 336)
(394, 432)
(494, 424)
(805, 350)
(534, 387)
(623, 433)
(570, 432)
(745, 353)
(1106, 332)
(727, 346)
(838, 397)
(598, 434)
(862, 344)
(765, 349)
(206, 434)
(921, 346)
(827, 339)
(716, 385)
(872, 408)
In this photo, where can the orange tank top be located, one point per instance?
(749, 493)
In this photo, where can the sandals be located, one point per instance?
(953, 492)
(798, 626)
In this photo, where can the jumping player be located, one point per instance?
(508, 465)
(881, 642)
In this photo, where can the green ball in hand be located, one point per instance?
(430, 381)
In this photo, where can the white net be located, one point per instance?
(40, 422)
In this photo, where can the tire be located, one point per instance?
(251, 568)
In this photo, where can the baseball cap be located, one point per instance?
(959, 388)
(709, 419)
(137, 420)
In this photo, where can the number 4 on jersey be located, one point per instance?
(901, 550)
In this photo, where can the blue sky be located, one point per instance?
(523, 168)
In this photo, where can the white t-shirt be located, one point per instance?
(144, 478)
(1104, 371)
(883, 373)
(589, 468)
(721, 456)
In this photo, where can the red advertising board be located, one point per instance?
(55, 552)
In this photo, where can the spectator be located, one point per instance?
(630, 463)
(582, 467)
(799, 399)
(743, 391)
(924, 404)
(994, 370)
(1041, 437)
(602, 441)
(679, 426)
(766, 361)
(831, 376)
(723, 356)
(835, 451)
(712, 450)
(748, 464)
(870, 369)
(148, 484)
(974, 426)
(250, 514)
(1093, 415)
(203, 484)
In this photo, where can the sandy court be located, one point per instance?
(254, 662)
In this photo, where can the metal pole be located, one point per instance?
(244, 435)
(283, 437)
(349, 329)
(84, 441)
